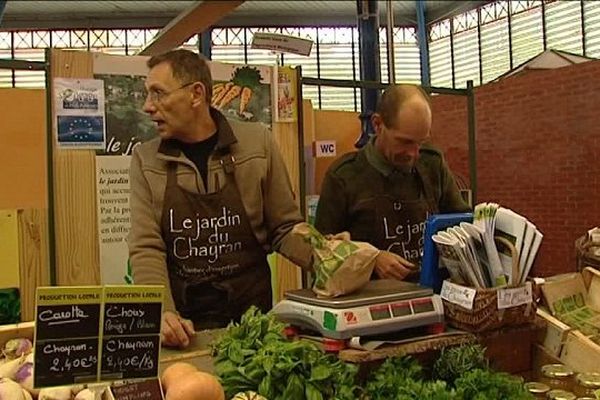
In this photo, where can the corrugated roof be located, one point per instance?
(138, 14)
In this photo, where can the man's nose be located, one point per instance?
(149, 107)
(413, 150)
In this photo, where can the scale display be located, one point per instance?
(383, 306)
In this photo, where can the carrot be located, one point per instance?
(217, 98)
(245, 98)
(229, 96)
(217, 87)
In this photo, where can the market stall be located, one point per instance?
(555, 347)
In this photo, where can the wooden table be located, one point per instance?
(197, 353)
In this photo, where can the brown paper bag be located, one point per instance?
(341, 266)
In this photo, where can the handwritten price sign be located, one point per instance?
(457, 294)
(514, 297)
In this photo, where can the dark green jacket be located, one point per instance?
(356, 178)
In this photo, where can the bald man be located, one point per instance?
(383, 193)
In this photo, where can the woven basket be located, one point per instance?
(585, 253)
(485, 315)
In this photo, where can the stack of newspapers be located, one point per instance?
(470, 252)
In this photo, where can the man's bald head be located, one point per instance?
(395, 98)
(402, 123)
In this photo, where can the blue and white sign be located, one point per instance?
(79, 113)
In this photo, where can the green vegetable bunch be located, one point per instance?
(401, 378)
(480, 384)
(242, 340)
(454, 362)
(254, 355)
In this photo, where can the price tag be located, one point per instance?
(141, 390)
(67, 329)
(131, 332)
(513, 297)
(457, 294)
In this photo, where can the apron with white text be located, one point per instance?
(217, 267)
(401, 223)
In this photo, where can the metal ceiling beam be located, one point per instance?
(453, 8)
(240, 18)
(194, 20)
(423, 41)
(2, 7)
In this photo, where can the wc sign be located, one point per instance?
(325, 148)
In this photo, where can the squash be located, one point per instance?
(175, 372)
(248, 395)
(196, 386)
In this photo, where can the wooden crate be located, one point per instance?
(580, 353)
(13, 331)
(555, 333)
(591, 279)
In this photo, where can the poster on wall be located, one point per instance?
(240, 92)
(124, 93)
(285, 110)
(79, 113)
(112, 201)
(126, 127)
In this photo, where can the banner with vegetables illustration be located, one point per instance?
(242, 92)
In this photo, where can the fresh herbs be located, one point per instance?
(455, 361)
(481, 384)
(401, 378)
(254, 355)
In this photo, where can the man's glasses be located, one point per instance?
(157, 95)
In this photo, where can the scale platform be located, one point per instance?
(382, 306)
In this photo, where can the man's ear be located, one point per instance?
(199, 92)
(377, 122)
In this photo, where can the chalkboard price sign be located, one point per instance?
(130, 357)
(131, 332)
(132, 318)
(65, 362)
(140, 390)
(78, 328)
(74, 320)
(67, 335)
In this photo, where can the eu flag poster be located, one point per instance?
(80, 131)
(80, 113)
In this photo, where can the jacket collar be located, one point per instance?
(226, 137)
(376, 159)
(381, 164)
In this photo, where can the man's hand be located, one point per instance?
(391, 266)
(176, 331)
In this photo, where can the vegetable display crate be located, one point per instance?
(14, 331)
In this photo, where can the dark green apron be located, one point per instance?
(217, 268)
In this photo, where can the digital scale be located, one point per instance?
(382, 306)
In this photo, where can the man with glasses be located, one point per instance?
(209, 198)
(383, 193)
